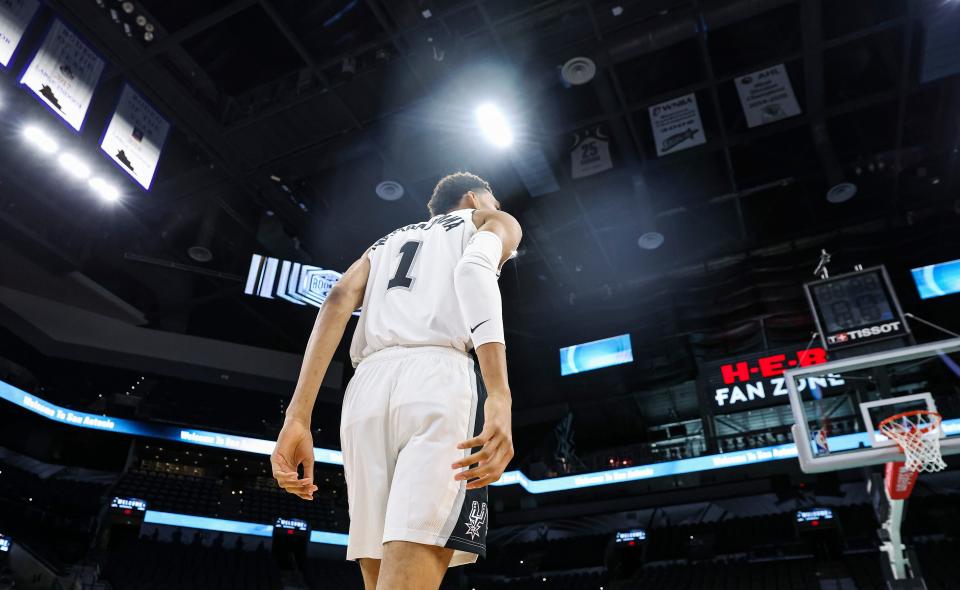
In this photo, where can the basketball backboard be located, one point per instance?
(837, 406)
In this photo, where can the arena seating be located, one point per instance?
(253, 500)
(152, 565)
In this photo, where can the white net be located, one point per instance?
(918, 436)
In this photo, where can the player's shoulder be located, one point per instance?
(481, 217)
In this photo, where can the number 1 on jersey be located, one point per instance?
(408, 254)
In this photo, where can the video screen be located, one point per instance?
(293, 524)
(595, 355)
(631, 535)
(937, 280)
(128, 504)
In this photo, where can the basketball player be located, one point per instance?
(416, 459)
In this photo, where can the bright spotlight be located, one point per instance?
(40, 140)
(107, 191)
(494, 125)
(74, 166)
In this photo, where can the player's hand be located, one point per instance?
(496, 442)
(294, 447)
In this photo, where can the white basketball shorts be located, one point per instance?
(404, 412)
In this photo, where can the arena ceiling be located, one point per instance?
(288, 114)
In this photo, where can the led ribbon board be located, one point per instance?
(334, 457)
(596, 355)
(937, 280)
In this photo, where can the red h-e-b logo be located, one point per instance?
(770, 366)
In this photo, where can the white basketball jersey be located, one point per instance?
(410, 298)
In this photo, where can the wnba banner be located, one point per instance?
(135, 137)
(15, 15)
(676, 124)
(63, 74)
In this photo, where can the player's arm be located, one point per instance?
(295, 442)
(475, 279)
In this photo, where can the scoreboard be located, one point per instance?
(856, 308)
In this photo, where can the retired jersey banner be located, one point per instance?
(676, 125)
(135, 136)
(15, 15)
(767, 96)
(64, 73)
(590, 154)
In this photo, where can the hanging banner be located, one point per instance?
(590, 154)
(135, 136)
(64, 73)
(15, 15)
(767, 96)
(676, 125)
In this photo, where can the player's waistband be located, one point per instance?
(395, 352)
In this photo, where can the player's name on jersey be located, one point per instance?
(446, 221)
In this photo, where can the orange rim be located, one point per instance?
(937, 418)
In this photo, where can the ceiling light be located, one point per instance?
(74, 166)
(578, 70)
(494, 125)
(390, 190)
(107, 191)
(40, 140)
(841, 192)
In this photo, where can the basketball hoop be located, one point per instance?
(917, 433)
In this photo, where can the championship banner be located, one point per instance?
(64, 73)
(15, 16)
(135, 136)
(590, 153)
(756, 380)
(767, 96)
(676, 125)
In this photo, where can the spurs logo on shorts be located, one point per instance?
(478, 515)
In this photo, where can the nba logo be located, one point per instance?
(820, 442)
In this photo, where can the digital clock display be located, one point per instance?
(852, 302)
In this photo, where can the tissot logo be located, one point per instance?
(865, 333)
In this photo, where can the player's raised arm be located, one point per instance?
(475, 279)
(295, 443)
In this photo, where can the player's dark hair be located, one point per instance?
(451, 188)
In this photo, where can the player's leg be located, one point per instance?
(436, 404)
(370, 568)
(413, 566)
(367, 464)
